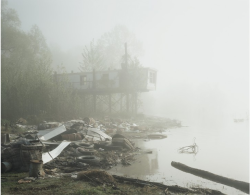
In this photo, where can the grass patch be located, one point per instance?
(67, 186)
(71, 186)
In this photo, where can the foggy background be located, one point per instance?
(200, 48)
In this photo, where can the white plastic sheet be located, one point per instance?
(47, 157)
(53, 133)
(99, 132)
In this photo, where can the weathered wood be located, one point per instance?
(240, 185)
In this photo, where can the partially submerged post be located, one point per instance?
(94, 93)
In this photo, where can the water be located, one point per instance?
(223, 150)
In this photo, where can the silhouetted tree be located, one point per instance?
(108, 52)
(92, 58)
(27, 84)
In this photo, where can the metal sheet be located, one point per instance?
(53, 133)
(98, 131)
(44, 132)
(47, 157)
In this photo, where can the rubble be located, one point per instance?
(21, 121)
(57, 149)
(50, 125)
(72, 137)
(19, 154)
(76, 144)
(120, 140)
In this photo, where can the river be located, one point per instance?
(222, 150)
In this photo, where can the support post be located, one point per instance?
(109, 103)
(121, 100)
(135, 103)
(127, 102)
(84, 103)
(94, 103)
(94, 94)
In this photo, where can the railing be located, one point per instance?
(99, 84)
(108, 85)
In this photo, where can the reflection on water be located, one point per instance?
(144, 165)
(223, 151)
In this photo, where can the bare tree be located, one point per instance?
(92, 58)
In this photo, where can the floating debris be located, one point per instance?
(193, 149)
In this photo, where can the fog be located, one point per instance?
(199, 48)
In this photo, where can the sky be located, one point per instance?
(199, 48)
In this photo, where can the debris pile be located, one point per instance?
(76, 144)
(18, 154)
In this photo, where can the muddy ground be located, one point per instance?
(68, 184)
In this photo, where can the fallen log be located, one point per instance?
(240, 185)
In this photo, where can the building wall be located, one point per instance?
(143, 79)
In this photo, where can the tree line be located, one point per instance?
(28, 89)
(27, 86)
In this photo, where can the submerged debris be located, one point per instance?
(193, 149)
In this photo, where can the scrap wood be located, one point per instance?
(240, 185)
